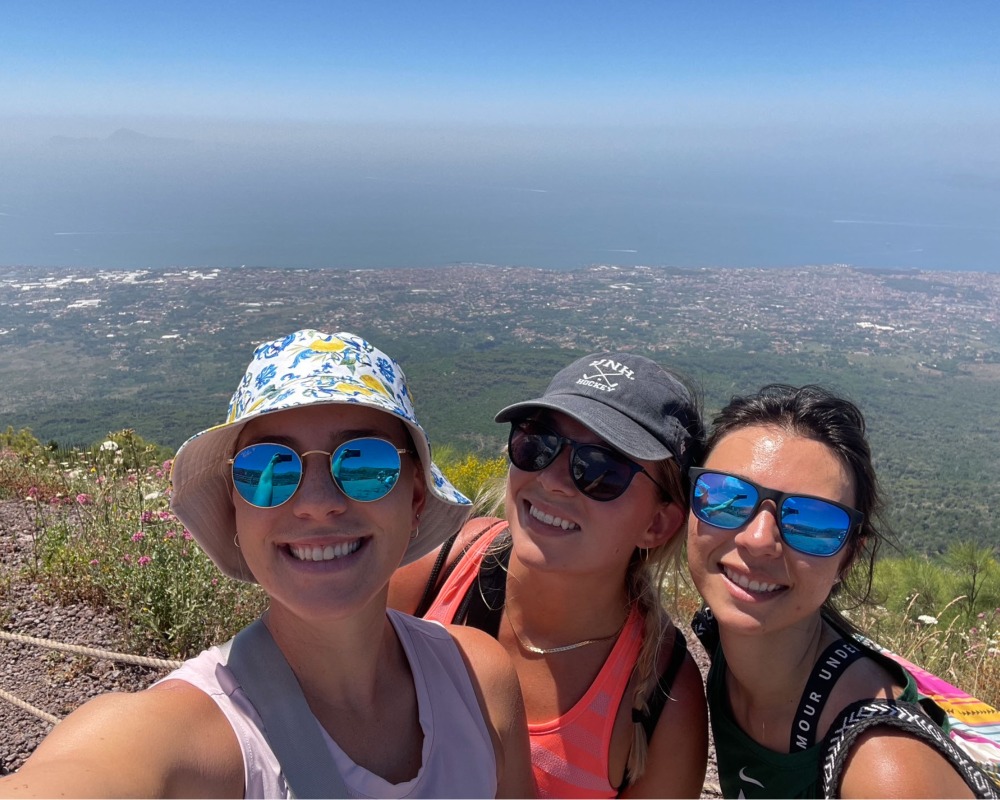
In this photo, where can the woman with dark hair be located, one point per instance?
(785, 518)
(596, 502)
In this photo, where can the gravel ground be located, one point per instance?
(57, 682)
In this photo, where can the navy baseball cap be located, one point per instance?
(628, 400)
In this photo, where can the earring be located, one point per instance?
(643, 553)
(236, 540)
(414, 534)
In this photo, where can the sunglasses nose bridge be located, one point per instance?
(317, 483)
(761, 533)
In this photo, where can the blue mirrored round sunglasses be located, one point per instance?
(810, 525)
(267, 474)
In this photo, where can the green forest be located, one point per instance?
(935, 434)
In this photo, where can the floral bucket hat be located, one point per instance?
(305, 368)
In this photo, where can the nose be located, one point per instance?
(318, 494)
(556, 476)
(761, 535)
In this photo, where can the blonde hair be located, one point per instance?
(646, 573)
(643, 578)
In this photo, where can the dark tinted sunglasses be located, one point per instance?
(598, 471)
(267, 474)
(811, 525)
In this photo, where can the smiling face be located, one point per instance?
(750, 578)
(556, 527)
(321, 553)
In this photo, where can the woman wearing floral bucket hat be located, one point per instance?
(318, 485)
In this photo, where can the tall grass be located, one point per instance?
(104, 534)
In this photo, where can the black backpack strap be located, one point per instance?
(290, 727)
(661, 692)
(435, 578)
(831, 665)
(706, 629)
(909, 717)
(482, 606)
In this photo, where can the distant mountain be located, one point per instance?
(123, 138)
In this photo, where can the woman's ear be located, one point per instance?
(665, 524)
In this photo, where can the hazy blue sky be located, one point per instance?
(553, 135)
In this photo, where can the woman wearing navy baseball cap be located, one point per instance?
(596, 503)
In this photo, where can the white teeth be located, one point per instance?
(754, 586)
(327, 553)
(548, 519)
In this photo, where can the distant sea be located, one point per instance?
(148, 203)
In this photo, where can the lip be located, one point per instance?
(548, 522)
(744, 585)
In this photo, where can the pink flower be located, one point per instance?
(215, 581)
(147, 516)
(144, 560)
(138, 536)
(170, 535)
(188, 536)
(33, 491)
(166, 515)
(127, 558)
(94, 562)
(84, 499)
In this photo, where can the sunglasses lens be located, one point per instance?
(600, 473)
(366, 469)
(266, 475)
(814, 527)
(723, 501)
(531, 448)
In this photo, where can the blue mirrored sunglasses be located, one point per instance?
(810, 525)
(267, 474)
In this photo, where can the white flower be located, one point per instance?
(927, 619)
(152, 495)
(109, 445)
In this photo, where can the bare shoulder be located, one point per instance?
(890, 763)
(485, 656)
(128, 745)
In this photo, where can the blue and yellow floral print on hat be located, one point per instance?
(304, 368)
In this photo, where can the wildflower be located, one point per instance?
(109, 445)
(138, 536)
(165, 515)
(147, 516)
(170, 535)
(144, 560)
(94, 562)
(84, 499)
(127, 558)
(33, 491)
(927, 619)
(151, 496)
(215, 581)
(188, 536)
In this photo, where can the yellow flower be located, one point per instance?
(374, 384)
(327, 347)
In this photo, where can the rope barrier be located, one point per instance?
(45, 715)
(144, 661)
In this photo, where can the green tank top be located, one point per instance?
(747, 769)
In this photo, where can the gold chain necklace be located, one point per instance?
(544, 651)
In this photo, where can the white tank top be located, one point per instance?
(457, 758)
